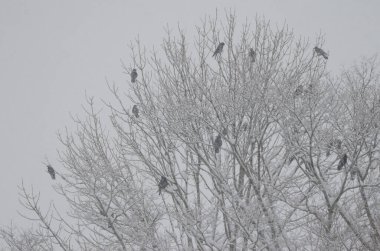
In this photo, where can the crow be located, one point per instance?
(252, 55)
(163, 184)
(298, 91)
(219, 49)
(342, 162)
(320, 52)
(218, 143)
(135, 111)
(51, 171)
(133, 75)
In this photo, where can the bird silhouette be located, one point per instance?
(163, 184)
(298, 91)
(219, 49)
(320, 52)
(252, 55)
(51, 171)
(135, 111)
(218, 143)
(133, 75)
(342, 162)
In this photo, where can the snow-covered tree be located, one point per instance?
(258, 147)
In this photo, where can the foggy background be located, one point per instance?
(52, 53)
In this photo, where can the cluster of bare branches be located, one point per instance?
(237, 140)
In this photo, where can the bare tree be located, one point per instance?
(242, 141)
(24, 240)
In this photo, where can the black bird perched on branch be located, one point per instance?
(133, 75)
(252, 55)
(219, 49)
(51, 171)
(163, 184)
(298, 91)
(342, 162)
(218, 143)
(320, 52)
(135, 111)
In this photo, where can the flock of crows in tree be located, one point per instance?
(217, 144)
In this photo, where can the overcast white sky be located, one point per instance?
(51, 52)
